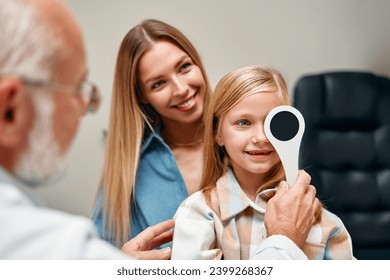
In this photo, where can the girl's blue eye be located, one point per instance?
(243, 123)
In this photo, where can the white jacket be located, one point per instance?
(28, 231)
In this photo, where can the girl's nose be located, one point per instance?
(259, 136)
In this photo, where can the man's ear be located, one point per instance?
(13, 111)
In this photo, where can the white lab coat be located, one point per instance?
(28, 231)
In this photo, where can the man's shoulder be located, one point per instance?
(11, 194)
(19, 210)
(30, 231)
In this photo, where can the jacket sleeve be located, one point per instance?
(194, 232)
(41, 233)
(278, 247)
(339, 246)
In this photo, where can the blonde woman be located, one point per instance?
(154, 142)
(228, 217)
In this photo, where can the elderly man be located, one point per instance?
(43, 95)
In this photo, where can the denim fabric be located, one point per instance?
(160, 187)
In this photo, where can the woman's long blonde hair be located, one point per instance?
(231, 89)
(130, 120)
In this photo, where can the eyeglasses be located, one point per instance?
(87, 90)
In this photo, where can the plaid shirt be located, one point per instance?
(232, 227)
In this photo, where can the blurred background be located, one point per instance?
(296, 37)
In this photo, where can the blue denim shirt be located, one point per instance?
(159, 190)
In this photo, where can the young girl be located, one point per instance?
(226, 218)
(154, 141)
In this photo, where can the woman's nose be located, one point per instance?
(180, 86)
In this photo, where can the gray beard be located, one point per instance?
(42, 161)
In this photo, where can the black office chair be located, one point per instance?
(346, 150)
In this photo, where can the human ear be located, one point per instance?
(219, 140)
(13, 113)
(143, 100)
(141, 97)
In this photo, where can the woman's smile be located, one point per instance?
(187, 104)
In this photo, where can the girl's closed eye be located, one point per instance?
(243, 123)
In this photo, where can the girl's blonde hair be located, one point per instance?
(130, 119)
(231, 89)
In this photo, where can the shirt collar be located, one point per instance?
(7, 178)
(153, 135)
(232, 198)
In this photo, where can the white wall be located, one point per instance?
(296, 37)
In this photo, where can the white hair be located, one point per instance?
(29, 48)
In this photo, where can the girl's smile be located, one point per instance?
(259, 154)
(242, 135)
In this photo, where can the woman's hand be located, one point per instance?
(142, 246)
